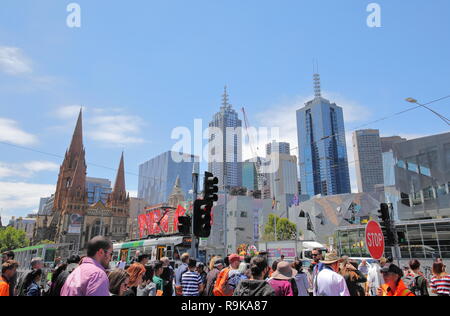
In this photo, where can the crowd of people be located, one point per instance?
(328, 275)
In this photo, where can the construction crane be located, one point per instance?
(260, 176)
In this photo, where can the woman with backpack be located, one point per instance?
(415, 280)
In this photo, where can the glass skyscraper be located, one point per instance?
(157, 176)
(322, 148)
(225, 145)
(98, 190)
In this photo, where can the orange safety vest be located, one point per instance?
(402, 290)
(4, 287)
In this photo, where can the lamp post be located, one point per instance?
(414, 101)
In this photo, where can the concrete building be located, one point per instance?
(368, 159)
(242, 224)
(225, 146)
(417, 178)
(322, 147)
(387, 143)
(319, 218)
(26, 224)
(158, 175)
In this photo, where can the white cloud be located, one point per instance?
(13, 61)
(116, 129)
(25, 170)
(11, 133)
(69, 112)
(112, 126)
(15, 196)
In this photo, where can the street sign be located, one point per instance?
(375, 240)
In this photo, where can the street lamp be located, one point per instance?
(414, 101)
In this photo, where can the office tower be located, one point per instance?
(281, 148)
(322, 149)
(98, 190)
(157, 176)
(249, 175)
(368, 159)
(225, 145)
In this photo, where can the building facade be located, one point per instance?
(368, 159)
(417, 178)
(387, 143)
(225, 146)
(26, 224)
(322, 147)
(158, 176)
(279, 147)
(249, 175)
(98, 190)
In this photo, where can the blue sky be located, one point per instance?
(142, 68)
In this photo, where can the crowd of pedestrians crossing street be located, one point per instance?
(328, 275)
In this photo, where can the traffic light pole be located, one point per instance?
(396, 253)
(195, 173)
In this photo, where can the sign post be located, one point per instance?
(375, 240)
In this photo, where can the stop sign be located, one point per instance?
(375, 240)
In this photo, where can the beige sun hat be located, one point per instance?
(284, 271)
(331, 258)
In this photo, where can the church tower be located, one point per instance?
(119, 203)
(71, 200)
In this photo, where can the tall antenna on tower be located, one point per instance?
(316, 77)
(317, 87)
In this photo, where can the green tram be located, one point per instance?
(48, 253)
(171, 247)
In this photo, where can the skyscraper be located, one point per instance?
(158, 176)
(225, 145)
(322, 149)
(249, 175)
(368, 159)
(281, 148)
(98, 190)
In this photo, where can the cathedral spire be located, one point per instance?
(119, 192)
(76, 146)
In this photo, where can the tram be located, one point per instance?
(171, 247)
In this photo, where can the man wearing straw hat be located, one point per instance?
(329, 282)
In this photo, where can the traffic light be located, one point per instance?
(386, 225)
(184, 225)
(202, 218)
(203, 208)
(402, 238)
(210, 189)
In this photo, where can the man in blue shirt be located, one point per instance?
(179, 273)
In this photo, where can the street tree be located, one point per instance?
(285, 229)
(11, 238)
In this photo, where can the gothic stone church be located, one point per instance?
(72, 220)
